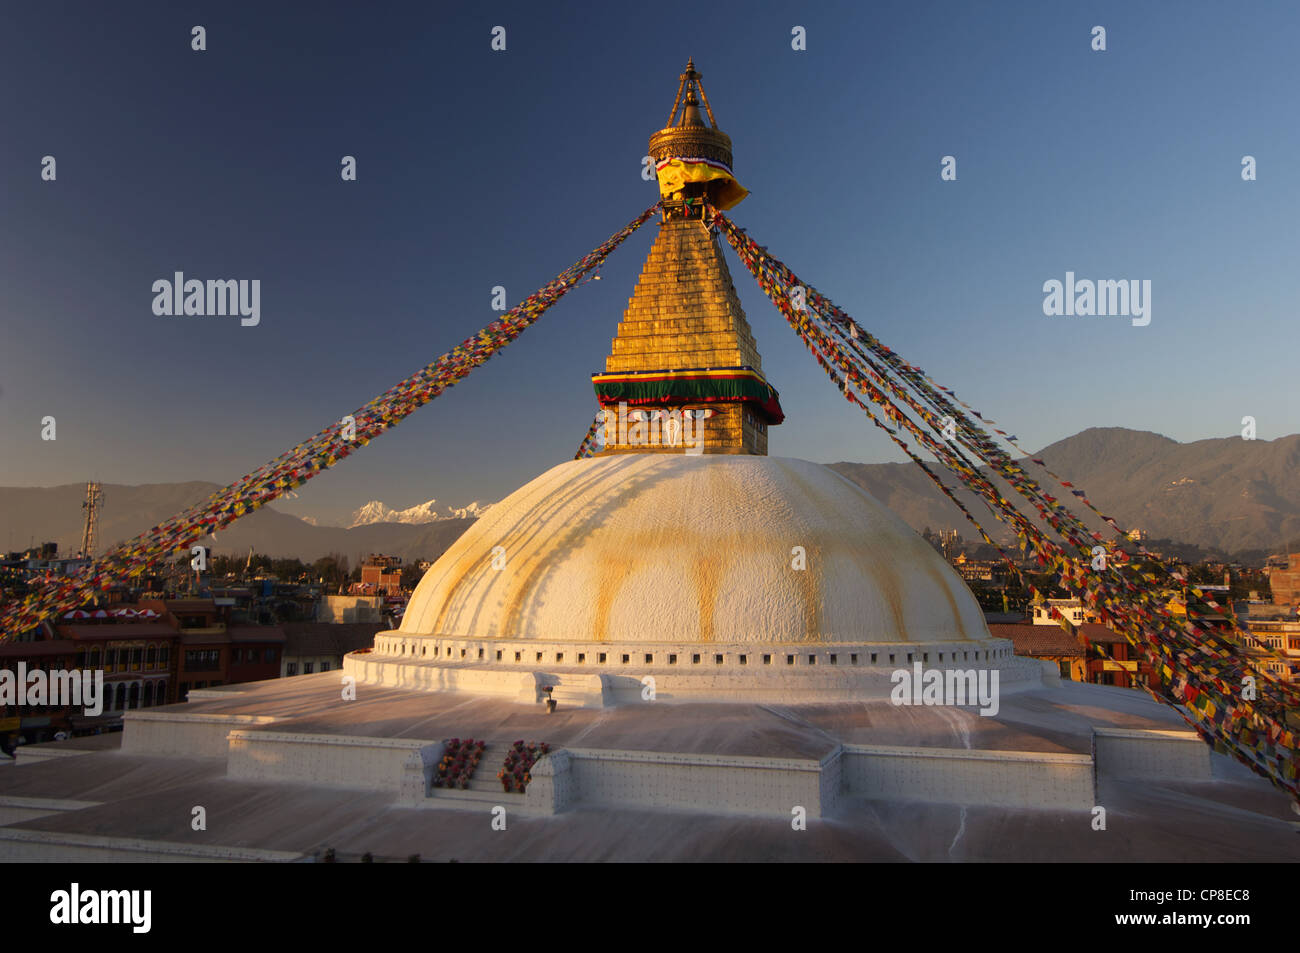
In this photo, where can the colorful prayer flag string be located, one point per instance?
(589, 442)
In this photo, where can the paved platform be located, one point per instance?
(110, 805)
(1056, 719)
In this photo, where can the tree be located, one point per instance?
(411, 576)
(331, 569)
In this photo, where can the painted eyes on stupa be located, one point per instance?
(647, 415)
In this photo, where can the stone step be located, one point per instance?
(567, 695)
(483, 784)
(473, 799)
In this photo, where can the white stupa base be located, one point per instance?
(586, 675)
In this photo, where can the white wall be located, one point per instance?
(1137, 753)
(368, 764)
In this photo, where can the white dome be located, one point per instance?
(671, 548)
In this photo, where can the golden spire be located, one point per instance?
(684, 373)
(689, 136)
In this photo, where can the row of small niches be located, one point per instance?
(602, 658)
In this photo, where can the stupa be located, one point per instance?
(680, 554)
(769, 598)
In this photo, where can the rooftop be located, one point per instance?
(1038, 640)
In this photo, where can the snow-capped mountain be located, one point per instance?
(429, 512)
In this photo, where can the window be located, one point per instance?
(539, 656)
(744, 660)
(695, 660)
(235, 656)
(789, 660)
(324, 666)
(601, 659)
(269, 656)
(519, 656)
(480, 653)
(582, 657)
(835, 659)
(767, 660)
(626, 659)
(202, 660)
(559, 657)
(290, 668)
(672, 659)
(812, 660)
(308, 667)
(498, 655)
(649, 659)
(717, 660)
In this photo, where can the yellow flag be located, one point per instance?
(675, 173)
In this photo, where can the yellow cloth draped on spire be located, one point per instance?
(674, 173)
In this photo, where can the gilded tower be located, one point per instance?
(684, 373)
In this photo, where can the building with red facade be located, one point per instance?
(185, 644)
(382, 574)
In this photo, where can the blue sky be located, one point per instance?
(478, 168)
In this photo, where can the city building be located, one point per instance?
(1282, 638)
(351, 608)
(1285, 582)
(382, 574)
(312, 647)
(1051, 611)
(1064, 649)
(256, 652)
(1120, 665)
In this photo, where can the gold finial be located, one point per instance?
(690, 82)
(689, 136)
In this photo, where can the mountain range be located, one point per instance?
(55, 514)
(427, 512)
(1227, 493)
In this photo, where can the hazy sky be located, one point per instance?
(479, 168)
